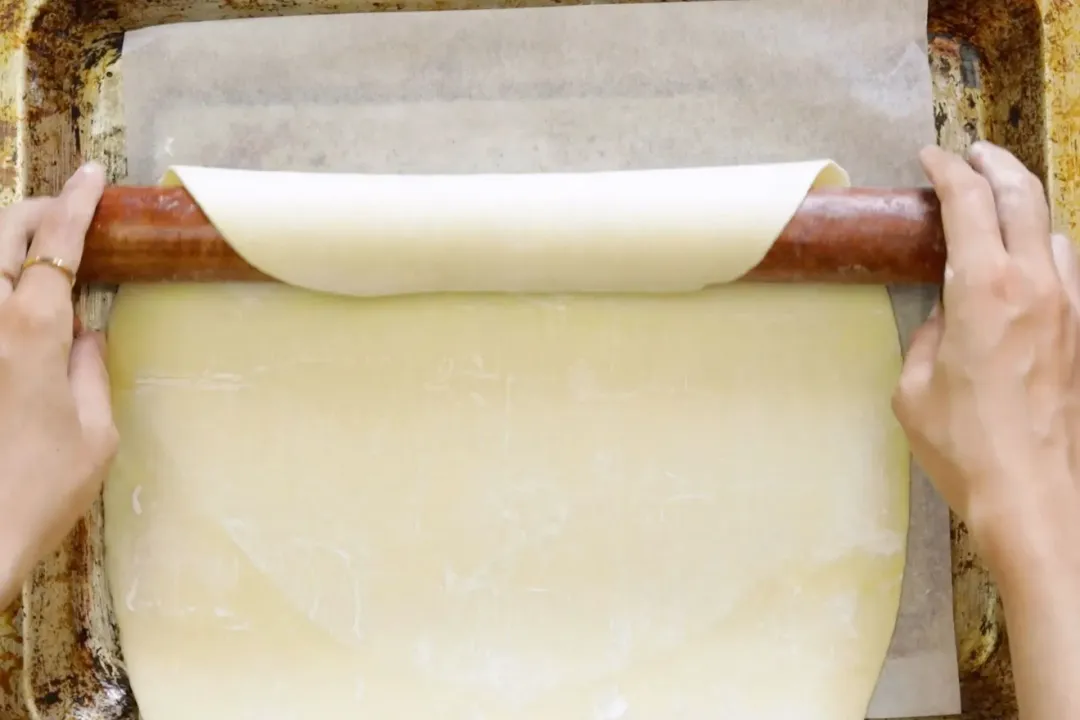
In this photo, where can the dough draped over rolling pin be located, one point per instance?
(632, 231)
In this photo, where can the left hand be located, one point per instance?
(57, 436)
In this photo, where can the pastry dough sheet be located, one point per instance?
(637, 231)
(575, 89)
(517, 506)
(505, 506)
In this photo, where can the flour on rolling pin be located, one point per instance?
(576, 89)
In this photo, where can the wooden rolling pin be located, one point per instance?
(856, 235)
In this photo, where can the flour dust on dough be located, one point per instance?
(599, 507)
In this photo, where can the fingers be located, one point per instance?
(1022, 211)
(918, 367)
(1068, 267)
(90, 389)
(18, 223)
(61, 236)
(972, 238)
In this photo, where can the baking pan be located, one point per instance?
(1002, 71)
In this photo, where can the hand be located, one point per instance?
(57, 436)
(990, 399)
(990, 391)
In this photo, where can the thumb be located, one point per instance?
(90, 388)
(919, 362)
(927, 339)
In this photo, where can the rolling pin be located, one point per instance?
(852, 235)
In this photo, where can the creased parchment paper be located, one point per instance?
(575, 89)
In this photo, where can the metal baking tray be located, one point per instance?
(1001, 71)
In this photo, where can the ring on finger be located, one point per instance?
(53, 262)
(11, 277)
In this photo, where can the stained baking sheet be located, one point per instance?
(581, 88)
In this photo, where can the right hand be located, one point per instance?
(990, 391)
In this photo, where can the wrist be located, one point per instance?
(1033, 535)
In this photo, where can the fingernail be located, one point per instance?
(91, 168)
(91, 172)
(87, 171)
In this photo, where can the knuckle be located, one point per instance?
(899, 396)
(1034, 184)
(1029, 289)
(908, 390)
(998, 283)
(67, 214)
(34, 317)
(994, 278)
(968, 189)
(1011, 194)
(902, 405)
(75, 210)
(1019, 189)
(106, 441)
(979, 199)
(81, 194)
(1049, 296)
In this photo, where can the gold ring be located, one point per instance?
(52, 262)
(11, 277)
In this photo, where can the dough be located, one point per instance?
(636, 231)
(503, 506)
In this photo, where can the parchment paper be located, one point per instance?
(576, 88)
